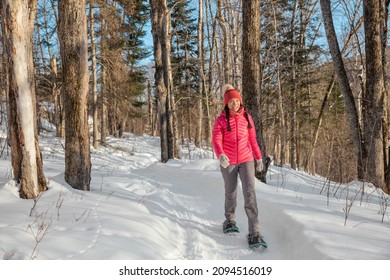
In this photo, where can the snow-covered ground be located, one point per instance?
(141, 209)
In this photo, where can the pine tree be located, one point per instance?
(185, 69)
(134, 51)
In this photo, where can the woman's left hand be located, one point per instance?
(259, 165)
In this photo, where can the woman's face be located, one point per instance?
(234, 104)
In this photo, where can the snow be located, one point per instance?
(140, 209)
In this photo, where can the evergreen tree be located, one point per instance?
(134, 50)
(185, 69)
(184, 43)
(136, 17)
(124, 51)
(290, 55)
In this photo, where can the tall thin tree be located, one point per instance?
(94, 76)
(161, 24)
(201, 81)
(157, 13)
(251, 70)
(226, 64)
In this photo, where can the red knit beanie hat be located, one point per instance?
(230, 93)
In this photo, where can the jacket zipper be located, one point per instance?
(235, 118)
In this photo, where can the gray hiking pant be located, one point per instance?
(246, 171)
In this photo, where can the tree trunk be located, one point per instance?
(293, 97)
(18, 23)
(251, 71)
(150, 109)
(233, 49)
(208, 89)
(386, 73)
(74, 52)
(3, 76)
(157, 15)
(321, 113)
(172, 133)
(161, 24)
(375, 93)
(308, 164)
(94, 79)
(282, 116)
(225, 65)
(104, 84)
(346, 90)
(58, 100)
(199, 128)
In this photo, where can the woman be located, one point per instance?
(235, 145)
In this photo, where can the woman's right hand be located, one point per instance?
(224, 161)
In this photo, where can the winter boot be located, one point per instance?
(230, 226)
(256, 240)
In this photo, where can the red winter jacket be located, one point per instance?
(239, 144)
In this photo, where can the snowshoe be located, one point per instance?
(230, 226)
(256, 241)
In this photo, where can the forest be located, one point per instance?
(313, 74)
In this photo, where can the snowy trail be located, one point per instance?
(185, 200)
(202, 216)
(141, 209)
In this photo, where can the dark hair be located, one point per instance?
(227, 113)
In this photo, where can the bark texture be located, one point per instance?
(251, 71)
(74, 52)
(18, 21)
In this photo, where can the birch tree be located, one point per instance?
(74, 53)
(18, 23)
